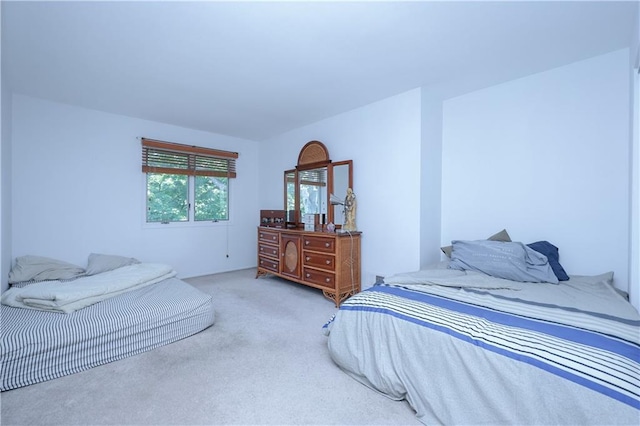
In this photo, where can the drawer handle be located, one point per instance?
(308, 275)
(327, 244)
(306, 243)
(328, 280)
(261, 235)
(273, 238)
(328, 262)
(308, 258)
(262, 262)
(261, 249)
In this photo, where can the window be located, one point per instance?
(186, 183)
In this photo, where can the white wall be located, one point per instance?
(431, 178)
(545, 157)
(634, 160)
(5, 173)
(78, 188)
(383, 140)
(5, 188)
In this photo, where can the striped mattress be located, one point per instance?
(37, 346)
(519, 355)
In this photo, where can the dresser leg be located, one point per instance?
(338, 298)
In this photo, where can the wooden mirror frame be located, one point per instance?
(314, 154)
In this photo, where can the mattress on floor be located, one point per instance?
(468, 348)
(36, 346)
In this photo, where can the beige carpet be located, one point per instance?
(264, 361)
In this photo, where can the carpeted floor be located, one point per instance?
(264, 361)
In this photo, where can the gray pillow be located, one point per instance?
(107, 262)
(37, 268)
(508, 260)
(500, 236)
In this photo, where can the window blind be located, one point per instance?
(175, 158)
(315, 177)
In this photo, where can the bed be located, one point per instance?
(52, 328)
(465, 347)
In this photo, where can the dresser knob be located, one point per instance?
(273, 238)
(327, 279)
(261, 235)
(306, 243)
(327, 244)
(328, 262)
(308, 275)
(261, 249)
(307, 258)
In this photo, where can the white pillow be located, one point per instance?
(38, 268)
(99, 263)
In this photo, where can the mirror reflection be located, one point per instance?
(313, 191)
(290, 195)
(340, 185)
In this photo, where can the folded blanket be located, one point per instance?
(66, 297)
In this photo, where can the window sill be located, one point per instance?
(177, 225)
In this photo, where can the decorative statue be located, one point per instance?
(350, 205)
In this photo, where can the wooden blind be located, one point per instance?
(175, 158)
(315, 177)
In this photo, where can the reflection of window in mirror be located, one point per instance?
(313, 191)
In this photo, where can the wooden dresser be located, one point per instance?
(328, 261)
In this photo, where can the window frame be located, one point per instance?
(190, 153)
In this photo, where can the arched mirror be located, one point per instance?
(308, 187)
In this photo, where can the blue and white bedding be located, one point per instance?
(466, 348)
(38, 345)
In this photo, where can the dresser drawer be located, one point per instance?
(268, 250)
(269, 264)
(324, 279)
(319, 260)
(324, 244)
(267, 236)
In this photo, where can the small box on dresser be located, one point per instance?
(272, 218)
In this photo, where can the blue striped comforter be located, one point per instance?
(597, 352)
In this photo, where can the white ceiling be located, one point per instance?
(257, 69)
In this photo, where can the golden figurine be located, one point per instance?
(350, 206)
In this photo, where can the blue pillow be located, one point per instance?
(551, 251)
